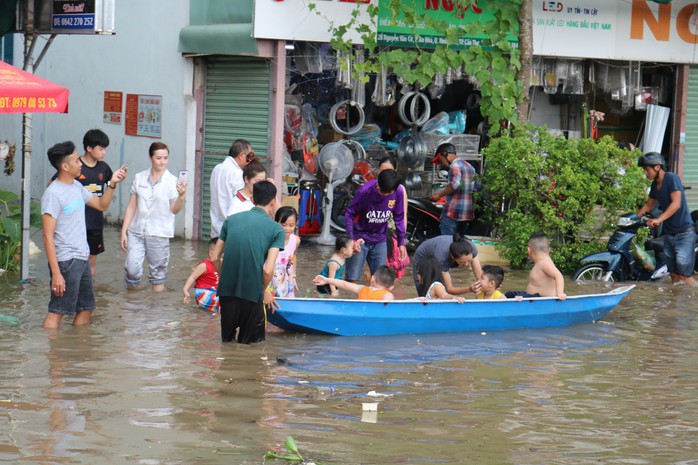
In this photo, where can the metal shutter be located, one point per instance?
(237, 106)
(690, 162)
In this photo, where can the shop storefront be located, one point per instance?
(234, 81)
(272, 78)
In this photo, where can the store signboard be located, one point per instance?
(638, 30)
(634, 30)
(113, 106)
(394, 32)
(297, 20)
(143, 115)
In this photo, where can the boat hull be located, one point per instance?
(343, 317)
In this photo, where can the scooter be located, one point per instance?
(623, 260)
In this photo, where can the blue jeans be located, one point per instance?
(679, 252)
(78, 295)
(449, 226)
(375, 254)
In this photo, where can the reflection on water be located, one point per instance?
(150, 383)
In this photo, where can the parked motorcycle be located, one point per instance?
(623, 260)
(423, 221)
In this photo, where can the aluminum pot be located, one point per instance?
(413, 150)
(413, 181)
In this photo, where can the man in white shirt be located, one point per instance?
(226, 180)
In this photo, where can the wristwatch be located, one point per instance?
(109, 185)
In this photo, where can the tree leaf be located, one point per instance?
(291, 445)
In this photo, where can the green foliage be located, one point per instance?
(573, 190)
(291, 448)
(493, 64)
(11, 229)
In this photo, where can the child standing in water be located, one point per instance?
(283, 283)
(334, 268)
(204, 278)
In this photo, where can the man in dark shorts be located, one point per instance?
(94, 176)
(248, 266)
(63, 225)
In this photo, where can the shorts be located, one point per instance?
(244, 314)
(524, 294)
(324, 289)
(79, 295)
(207, 299)
(680, 252)
(375, 254)
(95, 239)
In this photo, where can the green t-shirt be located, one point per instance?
(252, 234)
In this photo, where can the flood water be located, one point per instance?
(149, 382)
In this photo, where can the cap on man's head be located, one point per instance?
(443, 149)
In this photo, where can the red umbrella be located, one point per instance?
(22, 92)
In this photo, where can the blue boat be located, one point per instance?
(343, 317)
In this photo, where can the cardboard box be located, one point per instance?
(290, 201)
(326, 134)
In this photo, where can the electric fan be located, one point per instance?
(336, 161)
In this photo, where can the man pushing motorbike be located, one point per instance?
(678, 230)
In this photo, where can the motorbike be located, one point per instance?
(624, 260)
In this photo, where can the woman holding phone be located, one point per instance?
(149, 221)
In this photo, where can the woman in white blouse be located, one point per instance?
(149, 221)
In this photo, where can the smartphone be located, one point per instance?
(125, 165)
(183, 176)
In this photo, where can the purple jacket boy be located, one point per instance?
(367, 218)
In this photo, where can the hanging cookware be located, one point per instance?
(412, 150)
(413, 182)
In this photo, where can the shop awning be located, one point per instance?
(220, 28)
(22, 92)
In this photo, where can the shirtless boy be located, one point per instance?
(545, 279)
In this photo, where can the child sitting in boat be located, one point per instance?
(491, 280)
(545, 280)
(382, 283)
(204, 278)
(430, 279)
(334, 268)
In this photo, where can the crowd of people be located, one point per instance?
(252, 252)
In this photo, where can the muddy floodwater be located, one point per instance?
(149, 382)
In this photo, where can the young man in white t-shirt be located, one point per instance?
(65, 237)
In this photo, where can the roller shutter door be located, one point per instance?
(237, 106)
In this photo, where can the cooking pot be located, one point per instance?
(413, 182)
(413, 150)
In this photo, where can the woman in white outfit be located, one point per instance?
(149, 221)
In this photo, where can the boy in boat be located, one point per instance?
(545, 280)
(382, 282)
(491, 280)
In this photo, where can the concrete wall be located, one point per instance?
(141, 58)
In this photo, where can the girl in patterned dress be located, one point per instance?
(283, 283)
